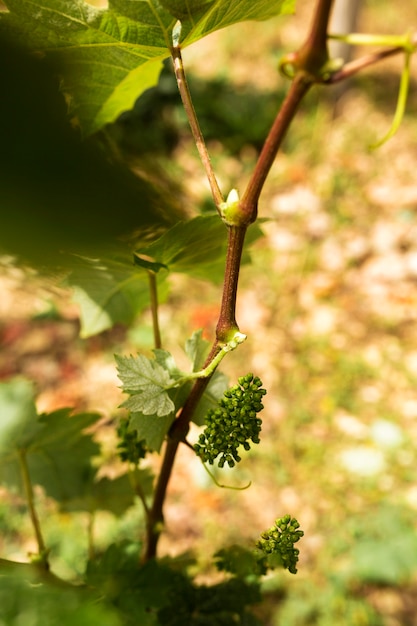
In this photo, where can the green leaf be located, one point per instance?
(31, 596)
(18, 418)
(240, 561)
(114, 495)
(206, 17)
(76, 197)
(57, 451)
(60, 457)
(110, 291)
(197, 349)
(151, 428)
(196, 247)
(108, 57)
(210, 398)
(145, 380)
(139, 592)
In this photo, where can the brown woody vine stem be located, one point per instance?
(227, 325)
(177, 434)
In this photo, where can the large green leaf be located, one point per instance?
(110, 56)
(110, 291)
(197, 248)
(60, 195)
(31, 596)
(110, 494)
(54, 446)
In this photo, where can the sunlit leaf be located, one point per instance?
(145, 381)
(108, 57)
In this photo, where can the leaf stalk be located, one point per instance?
(30, 499)
(194, 124)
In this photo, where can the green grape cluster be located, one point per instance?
(280, 540)
(130, 448)
(234, 423)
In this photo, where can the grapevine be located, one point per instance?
(234, 423)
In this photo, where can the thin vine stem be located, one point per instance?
(194, 124)
(30, 499)
(353, 67)
(153, 292)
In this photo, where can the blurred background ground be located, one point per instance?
(329, 307)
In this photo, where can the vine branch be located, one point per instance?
(194, 124)
(27, 484)
(353, 67)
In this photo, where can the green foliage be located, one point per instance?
(130, 448)
(233, 424)
(218, 605)
(146, 382)
(120, 47)
(66, 205)
(157, 593)
(54, 446)
(157, 389)
(384, 550)
(29, 598)
(196, 248)
(109, 291)
(106, 58)
(241, 562)
(280, 539)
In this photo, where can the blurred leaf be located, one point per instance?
(31, 597)
(196, 248)
(138, 591)
(240, 561)
(76, 196)
(110, 494)
(197, 348)
(114, 495)
(384, 547)
(19, 423)
(110, 56)
(110, 291)
(57, 451)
